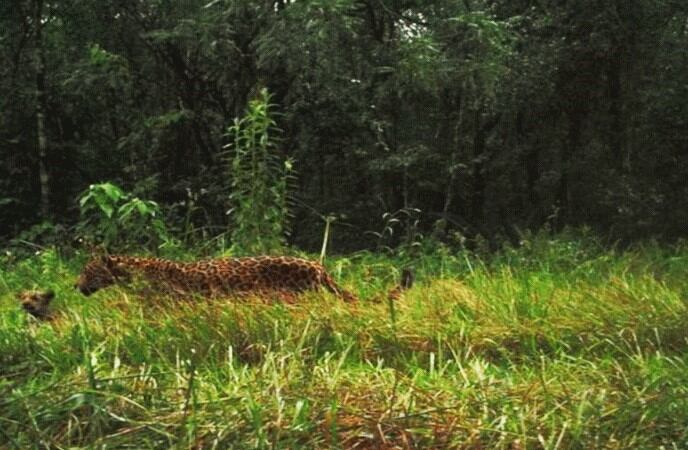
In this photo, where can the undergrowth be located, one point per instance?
(557, 344)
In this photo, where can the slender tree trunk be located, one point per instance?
(41, 107)
(570, 147)
(449, 195)
(448, 134)
(478, 194)
(479, 162)
(321, 175)
(531, 161)
(616, 131)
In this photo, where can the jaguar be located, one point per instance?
(284, 276)
(36, 303)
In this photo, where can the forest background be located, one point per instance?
(469, 121)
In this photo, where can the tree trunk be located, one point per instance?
(531, 160)
(41, 107)
(479, 163)
(448, 135)
(616, 131)
(478, 194)
(570, 147)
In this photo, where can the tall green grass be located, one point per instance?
(558, 344)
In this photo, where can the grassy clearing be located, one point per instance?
(559, 344)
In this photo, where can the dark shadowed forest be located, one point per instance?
(388, 119)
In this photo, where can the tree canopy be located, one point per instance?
(489, 117)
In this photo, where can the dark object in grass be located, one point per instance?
(36, 303)
(405, 283)
(407, 278)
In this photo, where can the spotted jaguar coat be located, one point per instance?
(282, 275)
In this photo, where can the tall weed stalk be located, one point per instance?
(260, 179)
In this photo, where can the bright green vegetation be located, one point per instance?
(558, 344)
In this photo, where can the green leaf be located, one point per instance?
(107, 209)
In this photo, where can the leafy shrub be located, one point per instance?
(116, 219)
(38, 237)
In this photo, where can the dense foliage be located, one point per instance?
(489, 116)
